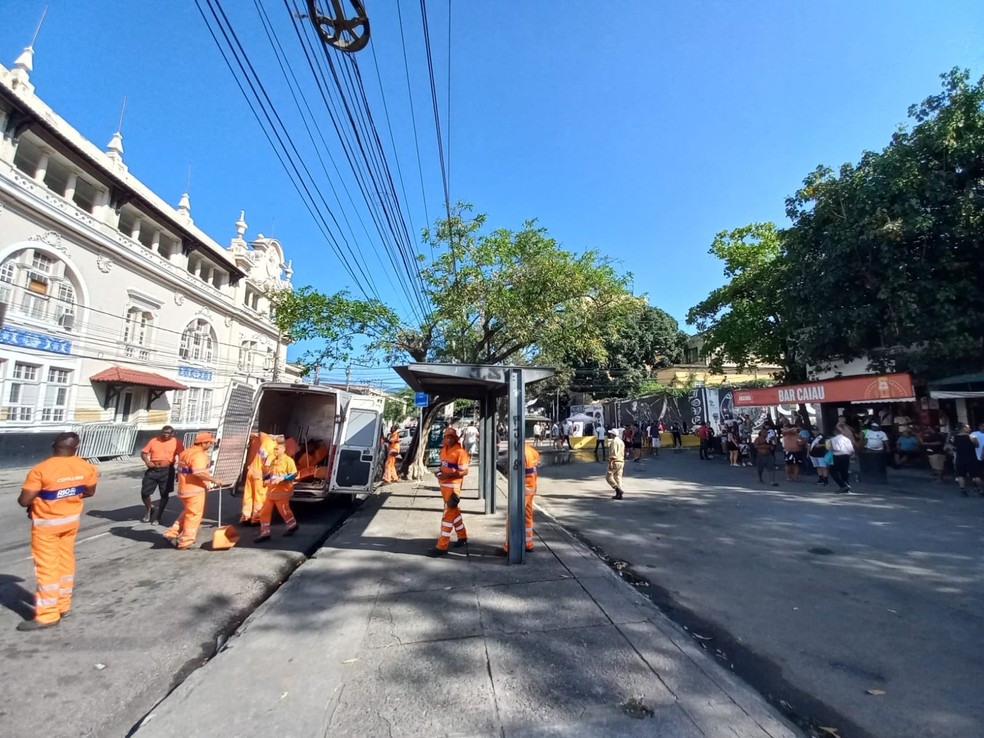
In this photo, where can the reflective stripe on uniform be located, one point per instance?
(56, 521)
(530, 470)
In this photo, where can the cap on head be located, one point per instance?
(875, 425)
(204, 438)
(450, 433)
(610, 432)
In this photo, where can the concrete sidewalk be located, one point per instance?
(372, 637)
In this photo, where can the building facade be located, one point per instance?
(115, 307)
(695, 370)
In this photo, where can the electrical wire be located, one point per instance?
(413, 115)
(437, 115)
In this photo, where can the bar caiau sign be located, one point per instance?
(867, 388)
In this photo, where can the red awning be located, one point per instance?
(866, 388)
(119, 375)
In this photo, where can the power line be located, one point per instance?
(437, 115)
(413, 115)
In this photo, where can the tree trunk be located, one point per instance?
(413, 466)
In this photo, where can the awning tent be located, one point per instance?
(960, 386)
(116, 378)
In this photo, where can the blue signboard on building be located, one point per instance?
(193, 372)
(420, 399)
(36, 341)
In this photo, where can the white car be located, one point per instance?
(406, 436)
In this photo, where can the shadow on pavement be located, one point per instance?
(16, 597)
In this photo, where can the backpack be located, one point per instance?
(819, 450)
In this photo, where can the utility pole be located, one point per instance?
(317, 374)
(348, 377)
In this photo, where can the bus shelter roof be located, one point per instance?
(466, 381)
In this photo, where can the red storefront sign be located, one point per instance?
(870, 388)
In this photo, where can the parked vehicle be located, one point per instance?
(406, 437)
(337, 434)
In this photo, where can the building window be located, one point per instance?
(136, 328)
(41, 263)
(56, 396)
(247, 356)
(22, 397)
(192, 406)
(6, 281)
(198, 342)
(38, 286)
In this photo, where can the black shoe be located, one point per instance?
(460, 542)
(66, 614)
(291, 531)
(617, 497)
(501, 552)
(963, 492)
(435, 553)
(260, 539)
(35, 625)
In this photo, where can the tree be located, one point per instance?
(646, 339)
(886, 253)
(744, 321)
(497, 297)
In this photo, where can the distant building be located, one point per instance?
(695, 370)
(118, 308)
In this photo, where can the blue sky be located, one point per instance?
(639, 129)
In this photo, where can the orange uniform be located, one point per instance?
(60, 482)
(454, 466)
(392, 451)
(280, 486)
(254, 492)
(531, 460)
(191, 492)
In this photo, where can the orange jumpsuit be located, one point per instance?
(254, 493)
(191, 491)
(393, 450)
(55, 513)
(531, 460)
(454, 459)
(279, 493)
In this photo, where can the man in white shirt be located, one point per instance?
(469, 438)
(565, 433)
(600, 441)
(842, 448)
(875, 439)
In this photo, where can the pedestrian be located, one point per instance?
(965, 458)
(565, 434)
(676, 433)
(636, 443)
(531, 461)
(453, 470)
(159, 456)
(469, 437)
(818, 456)
(842, 448)
(599, 440)
(907, 448)
(979, 435)
(763, 453)
(874, 451)
(53, 493)
(254, 491)
(616, 462)
(704, 438)
(793, 448)
(654, 439)
(280, 488)
(392, 443)
(194, 481)
(935, 444)
(731, 438)
(555, 434)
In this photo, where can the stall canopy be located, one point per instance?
(867, 388)
(959, 387)
(116, 378)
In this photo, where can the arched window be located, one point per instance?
(247, 356)
(39, 286)
(198, 342)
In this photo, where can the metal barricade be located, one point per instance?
(100, 441)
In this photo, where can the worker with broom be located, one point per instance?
(194, 480)
(392, 451)
(280, 486)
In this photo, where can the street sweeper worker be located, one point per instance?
(280, 486)
(453, 470)
(194, 481)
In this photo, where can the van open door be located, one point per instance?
(358, 446)
(235, 425)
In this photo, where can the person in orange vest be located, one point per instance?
(531, 460)
(257, 464)
(454, 468)
(280, 486)
(193, 482)
(392, 451)
(53, 492)
(159, 456)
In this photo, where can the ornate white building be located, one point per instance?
(117, 307)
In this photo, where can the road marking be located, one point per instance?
(80, 540)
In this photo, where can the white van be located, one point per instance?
(338, 432)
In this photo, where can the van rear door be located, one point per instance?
(358, 446)
(234, 429)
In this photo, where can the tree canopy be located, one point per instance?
(881, 258)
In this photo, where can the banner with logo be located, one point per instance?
(867, 388)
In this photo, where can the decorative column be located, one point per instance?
(155, 242)
(135, 231)
(73, 181)
(42, 170)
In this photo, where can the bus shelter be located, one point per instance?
(486, 384)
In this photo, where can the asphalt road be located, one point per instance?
(815, 598)
(143, 615)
